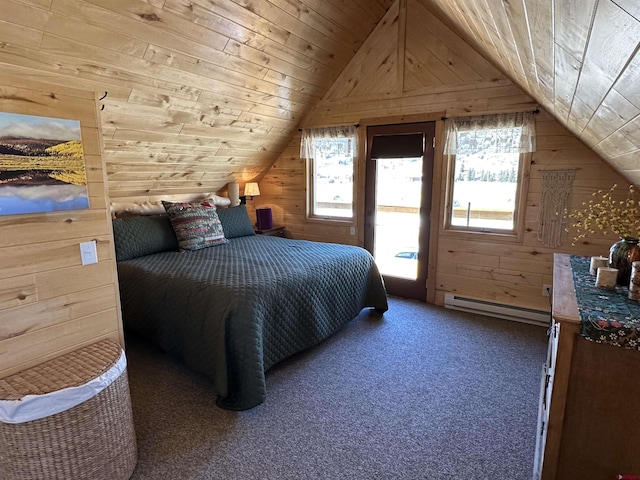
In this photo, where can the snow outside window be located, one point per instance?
(487, 155)
(330, 152)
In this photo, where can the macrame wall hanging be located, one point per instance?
(554, 201)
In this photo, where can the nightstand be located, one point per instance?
(272, 232)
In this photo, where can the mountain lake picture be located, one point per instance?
(41, 165)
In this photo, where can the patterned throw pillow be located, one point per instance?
(196, 225)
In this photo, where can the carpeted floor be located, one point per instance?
(419, 393)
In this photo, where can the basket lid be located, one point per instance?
(66, 371)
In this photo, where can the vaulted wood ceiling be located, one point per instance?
(199, 92)
(202, 92)
(580, 59)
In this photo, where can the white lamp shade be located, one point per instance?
(251, 189)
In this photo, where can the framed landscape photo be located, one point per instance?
(42, 165)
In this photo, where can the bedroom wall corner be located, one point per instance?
(445, 76)
(51, 304)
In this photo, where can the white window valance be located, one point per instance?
(500, 133)
(310, 137)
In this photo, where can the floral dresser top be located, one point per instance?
(606, 316)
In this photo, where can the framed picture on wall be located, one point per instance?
(42, 165)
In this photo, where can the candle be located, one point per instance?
(597, 262)
(634, 282)
(606, 278)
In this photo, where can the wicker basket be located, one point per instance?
(92, 440)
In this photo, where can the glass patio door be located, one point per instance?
(398, 202)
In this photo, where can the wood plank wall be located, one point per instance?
(443, 76)
(49, 303)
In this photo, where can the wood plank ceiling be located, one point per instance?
(199, 92)
(580, 59)
(203, 92)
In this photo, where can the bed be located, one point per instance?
(233, 310)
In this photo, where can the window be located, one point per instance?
(330, 152)
(486, 165)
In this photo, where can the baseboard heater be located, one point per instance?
(508, 312)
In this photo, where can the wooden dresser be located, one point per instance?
(589, 412)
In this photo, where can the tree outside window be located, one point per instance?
(330, 153)
(487, 159)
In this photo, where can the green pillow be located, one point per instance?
(144, 235)
(235, 222)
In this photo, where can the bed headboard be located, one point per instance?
(154, 207)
